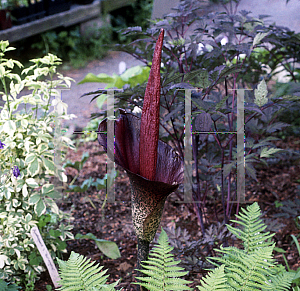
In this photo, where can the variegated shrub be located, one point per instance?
(28, 145)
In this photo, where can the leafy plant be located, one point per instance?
(81, 275)
(131, 77)
(138, 13)
(250, 268)
(290, 209)
(8, 287)
(71, 46)
(27, 145)
(195, 252)
(104, 183)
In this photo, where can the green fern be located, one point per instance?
(252, 268)
(78, 274)
(252, 235)
(215, 280)
(281, 280)
(161, 269)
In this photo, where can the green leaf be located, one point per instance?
(24, 190)
(215, 280)
(279, 250)
(108, 248)
(40, 207)
(259, 37)
(49, 165)
(34, 167)
(135, 75)
(30, 157)
(53, 205)
(9, 127)
(28, 217)
(267, 153)
(42, 148)
(101, 99)
(2, 71)
(33, 199)
(75, 188)
(101, 78)
(31, 183)
(48, 190)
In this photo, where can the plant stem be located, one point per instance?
(142, 255)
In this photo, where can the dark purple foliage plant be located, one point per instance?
(214, 54)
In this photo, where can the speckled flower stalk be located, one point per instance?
(153, 167)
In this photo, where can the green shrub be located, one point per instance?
(73, 47)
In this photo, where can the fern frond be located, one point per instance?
(296, 288)
(252, 268)
(281, 281)
(78, 274)
(214, 281)
(252, 233)
(161, 270)
(251, 271)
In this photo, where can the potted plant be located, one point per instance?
(5, 17)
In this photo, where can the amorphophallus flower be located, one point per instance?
(154, 168)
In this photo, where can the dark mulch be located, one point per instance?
(113, 223)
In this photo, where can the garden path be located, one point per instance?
(82, 107)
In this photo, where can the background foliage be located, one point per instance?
(214, 54)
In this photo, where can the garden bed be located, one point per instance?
(278, 182)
